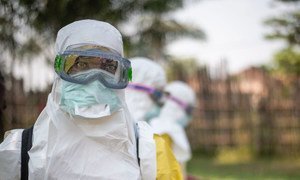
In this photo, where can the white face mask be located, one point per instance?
(93, 111)
(92, 100)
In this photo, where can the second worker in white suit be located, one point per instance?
(174, 116)
(144, 93)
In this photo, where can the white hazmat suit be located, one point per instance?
(169, 120)
(74, 147)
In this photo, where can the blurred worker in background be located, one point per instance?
(143, 94)
(174, 116)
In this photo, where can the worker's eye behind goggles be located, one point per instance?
(85, 66)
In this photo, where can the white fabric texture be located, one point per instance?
(181, 91)
(147, 151)
(85, 149)
(88, 32)
(166, 122)
(73, 147)
(148, 73)
(10, 151)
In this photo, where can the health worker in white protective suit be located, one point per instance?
(174, 116)
(85, 131)
(143, 94)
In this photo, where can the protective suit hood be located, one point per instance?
(181, 91)
(89, 32)
(145, 73)
(73, 147)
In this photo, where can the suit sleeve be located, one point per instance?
(10, 155)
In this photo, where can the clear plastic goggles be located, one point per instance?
(82, 66)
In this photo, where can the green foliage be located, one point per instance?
(158, 6)
(16, 37)
(286, 28)
(288, 61)
(156, 31)
(8, 26)
(49, 16)
(207, 168)
(180, 69)
(234, 155)
(29, 48)
(45, 18)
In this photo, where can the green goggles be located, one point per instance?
(85, 66)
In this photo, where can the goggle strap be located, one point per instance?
(179, 102)
(148, 90)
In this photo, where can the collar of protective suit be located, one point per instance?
(166, 123)
(66, 147)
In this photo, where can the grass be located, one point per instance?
(212, 168)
